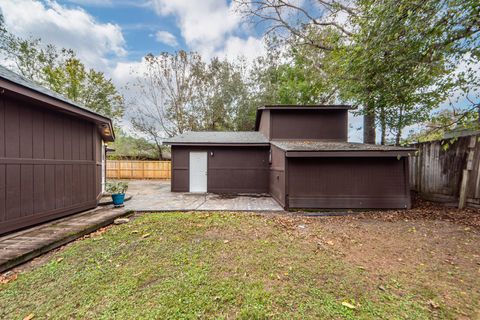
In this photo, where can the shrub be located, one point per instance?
(115, 187)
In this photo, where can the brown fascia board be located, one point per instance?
(59, 105)
(343, 154)
(298, 107)
(211, 144)
(305, 106)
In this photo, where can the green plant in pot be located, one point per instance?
(117, 189)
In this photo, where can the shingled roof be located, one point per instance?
(317, 145)
(316, 148)
(219, 138)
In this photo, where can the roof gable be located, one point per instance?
(15, 83)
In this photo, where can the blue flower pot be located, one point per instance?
(118, 199)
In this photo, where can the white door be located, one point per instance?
(198, 172)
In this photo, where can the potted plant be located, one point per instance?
(117, 189)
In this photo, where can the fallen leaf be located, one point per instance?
(348, 305)
(59, 259)
(226, 241)
(433, 304)
(330, 242)
(7, 279)
(29, 317)
(146, 235)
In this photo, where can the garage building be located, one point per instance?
(299, 155)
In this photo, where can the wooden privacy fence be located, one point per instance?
(450, 175)
(136, 169)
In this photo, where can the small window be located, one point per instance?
(270, 156)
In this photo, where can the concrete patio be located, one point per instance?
(155, 195)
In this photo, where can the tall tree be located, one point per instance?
(61, 71)
(181, 92)
(166, 93)
(395, 58)
(292, 76)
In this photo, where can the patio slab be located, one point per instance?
(155, 195)
(22, 246)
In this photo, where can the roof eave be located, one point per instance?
(356, 153)
(213, 144)
(59, 105)
(305, 106)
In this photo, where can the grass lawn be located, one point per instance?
(227, 265)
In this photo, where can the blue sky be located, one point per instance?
(114, 35)
(139, 25)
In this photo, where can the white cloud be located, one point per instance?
(210, 27)
(96, 3)
(200, 21)
(97, 44)
(249, 48)
(167, 38)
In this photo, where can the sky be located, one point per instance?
(113, 36)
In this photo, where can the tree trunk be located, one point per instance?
(159, 148)
(383, 126)
(398, 136)
(369, 126)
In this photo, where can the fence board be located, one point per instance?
(436, 172)
(138, 169)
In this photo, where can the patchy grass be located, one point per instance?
(214, 265)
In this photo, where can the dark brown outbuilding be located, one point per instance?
(50, 154)
(236, 162)
(298, 154)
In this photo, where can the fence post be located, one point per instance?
(462, 200)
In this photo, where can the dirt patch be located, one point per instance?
(426, 210)
(431, 248)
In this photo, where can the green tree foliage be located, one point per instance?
(221, 93)
(61, 71)
(129, 147)
(396, 59)
(292, 77)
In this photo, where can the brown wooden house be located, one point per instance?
(50, 154)
(299, 155)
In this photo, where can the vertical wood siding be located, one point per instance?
(308, 124)
(348, 183)
(230, 169)
(48, 164)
